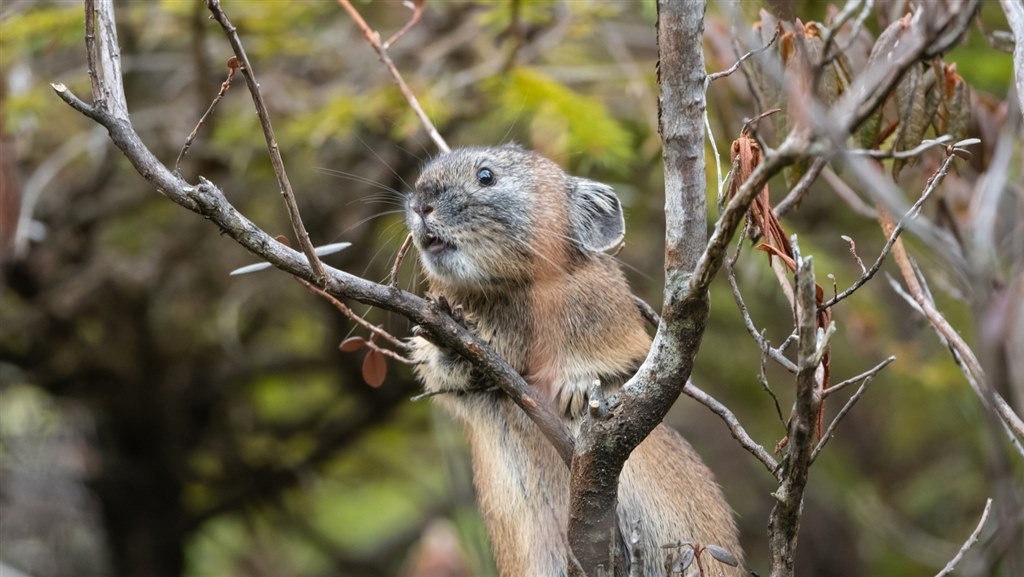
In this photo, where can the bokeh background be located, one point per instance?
(160, 418)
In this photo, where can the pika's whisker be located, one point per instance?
(384, 162)
(368, 219)
(358, 178)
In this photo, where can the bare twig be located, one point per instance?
(729, 71)
(763, 379)
(968, 543)
(268, 133)
(901, 154)
(933, 183)
(801, 188)
(389, 353)
(233, 65)
(1014, 11)
(373, 38)
(648, 312)
(853, 253)
(963, 353)
(847, 194)
(395, 341)
(402, 251)
(737, 430)
(1005, 420)
(417, 13)
(830, 431)
(748, 322)
(856, 379)
(784, 520)
(841, 19)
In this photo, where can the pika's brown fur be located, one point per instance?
(518, 244)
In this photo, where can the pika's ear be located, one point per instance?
(595, 215)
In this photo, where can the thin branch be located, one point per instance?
(901, 154)
(417, 13)
(389, 353)
(933, 183)
(962, 352)
(233, 65)
(691, 390)
(396, 342)
(763, 379)
(208, 201)
(866, 374)
(648, 312)
(830, 431)
(729, 71)
(961, 363)
(1014, 11)
(748, 322)
(373, 38)
(841, 19)
(853, 253)
(402, 251)
(844, 192)
(968, 543)
(797, 194)
(737, 430)
(784, 520)
(272, 148)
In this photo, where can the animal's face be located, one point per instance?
(486, 216)
(471, 216)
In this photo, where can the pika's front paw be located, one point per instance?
(456, 312)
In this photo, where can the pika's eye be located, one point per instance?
(485, 177)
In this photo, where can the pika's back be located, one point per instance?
(490, 216)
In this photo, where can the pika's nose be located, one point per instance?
(423, 209)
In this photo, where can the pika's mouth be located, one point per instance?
(435, 245)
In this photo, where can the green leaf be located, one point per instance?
(563, 121)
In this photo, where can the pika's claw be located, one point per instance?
(455, 312)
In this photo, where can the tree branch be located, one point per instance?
(604, 445)
(865, 379)
(208, 201)
(737, 430)
(933, 183)
(373, 38)
(784, 521)
(273, 150)
(968, 543)
(1014, 10)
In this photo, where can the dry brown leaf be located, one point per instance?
(352, 344)
(374, 368)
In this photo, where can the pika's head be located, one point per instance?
(482, 217)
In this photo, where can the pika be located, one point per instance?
(520, 245)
